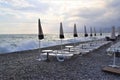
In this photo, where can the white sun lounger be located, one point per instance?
(57, 53)
(61, 56)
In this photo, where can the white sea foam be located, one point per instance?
(25, 42)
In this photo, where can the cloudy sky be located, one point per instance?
(21, 16)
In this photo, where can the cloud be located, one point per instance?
(114, 4)
(94, 13)
(16, 3)
(25, 5)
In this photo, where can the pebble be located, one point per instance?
(87, 67)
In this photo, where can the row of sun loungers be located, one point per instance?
(88, 47)
(70, 51)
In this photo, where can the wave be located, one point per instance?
(34, 44)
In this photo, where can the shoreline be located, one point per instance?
(49, 47)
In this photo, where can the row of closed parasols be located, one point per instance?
(61, 35)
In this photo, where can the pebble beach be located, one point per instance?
(24, 66)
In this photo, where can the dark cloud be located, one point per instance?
(114, 4)
(89, 13)
(104, 18)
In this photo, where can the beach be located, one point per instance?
(59, 40)
(24, 66)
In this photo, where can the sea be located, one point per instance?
(19, 42)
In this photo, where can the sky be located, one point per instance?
(21, 16)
